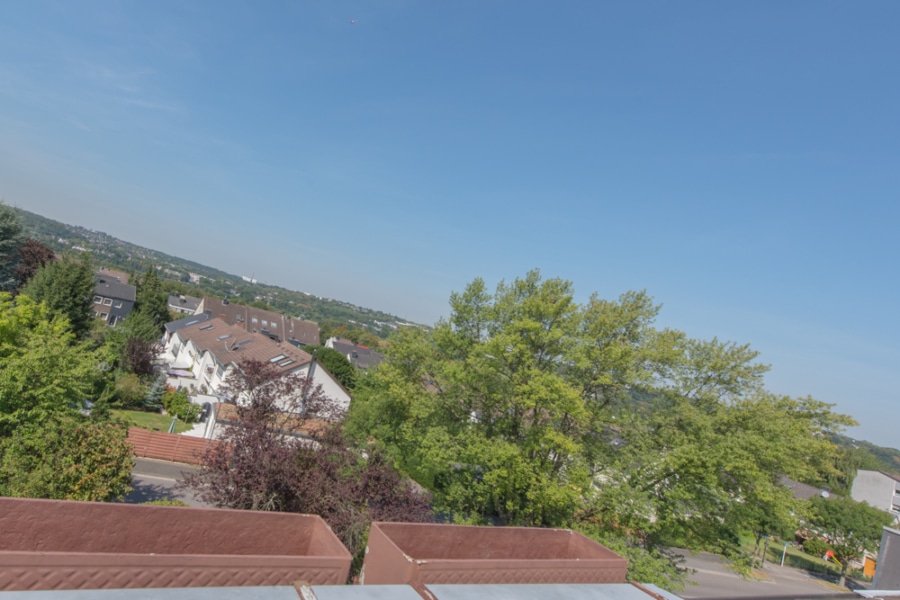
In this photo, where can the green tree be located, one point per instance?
(48, 448)
(528, 408)
(66, 286)
(66, 457)
(45, 369)
(151, 299)
(178, 404)
(852, 527)
(335, 363)
(11, 239)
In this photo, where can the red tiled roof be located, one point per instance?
(232, 344)
(278, 324)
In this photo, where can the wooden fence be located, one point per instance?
(168, 446)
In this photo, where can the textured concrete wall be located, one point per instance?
(399, 553)
(50, 544)
(887, 572)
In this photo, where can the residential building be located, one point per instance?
(878, 489)
(802, 491)
(361, 357)
(210, 349)
(277, 326)
(186, 305)
(113, 297)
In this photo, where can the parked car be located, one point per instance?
(205, 410)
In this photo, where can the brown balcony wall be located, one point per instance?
(408, 553)
(55, 545)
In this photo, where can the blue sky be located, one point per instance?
(738, 160)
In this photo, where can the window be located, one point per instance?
(98, 299)
(107, 302)
(254, 320)
(265, 323)
(220, 370)
(118, 304)
(175, 348)
(104, 315)
(274, 325)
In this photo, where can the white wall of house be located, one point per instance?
(209, 372)
(878, 490)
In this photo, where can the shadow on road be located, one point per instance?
(145, 491)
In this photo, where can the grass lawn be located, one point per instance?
(151, 421)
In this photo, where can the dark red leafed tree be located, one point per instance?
(286, 452)
(34, 255)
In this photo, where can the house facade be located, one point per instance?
(877, 489)
(277, 326)
(361, 357)
(211, 349)
(185, 305)
(113, 297)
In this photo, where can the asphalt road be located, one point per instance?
(714, 580)
(157, 479)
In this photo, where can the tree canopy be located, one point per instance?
(528, 408)
(336, 364)
(851, 527)
(261, 466)
(66, 286)
(151, 299)
(48, 447)
(33, 255)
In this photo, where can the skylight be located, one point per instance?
(277, 358)
(225, 337)
(205, 327)
(285, 363)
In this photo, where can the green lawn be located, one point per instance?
(151, 421)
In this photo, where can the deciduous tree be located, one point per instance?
(263, 466)
(45, 369)
(336, 364)
(526, 407)
(852, 527)
(34, 255)
(66, 457)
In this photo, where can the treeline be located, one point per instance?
(114, 253)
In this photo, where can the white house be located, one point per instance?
(877, 489)
(210, 349)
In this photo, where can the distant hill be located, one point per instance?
(883, 458)
(112, 252)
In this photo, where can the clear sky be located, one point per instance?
(738, 160)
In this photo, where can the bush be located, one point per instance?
(130, 391)
(178, 404)
(816, 546)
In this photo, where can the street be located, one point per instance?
(714, 580)
(157, 479)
